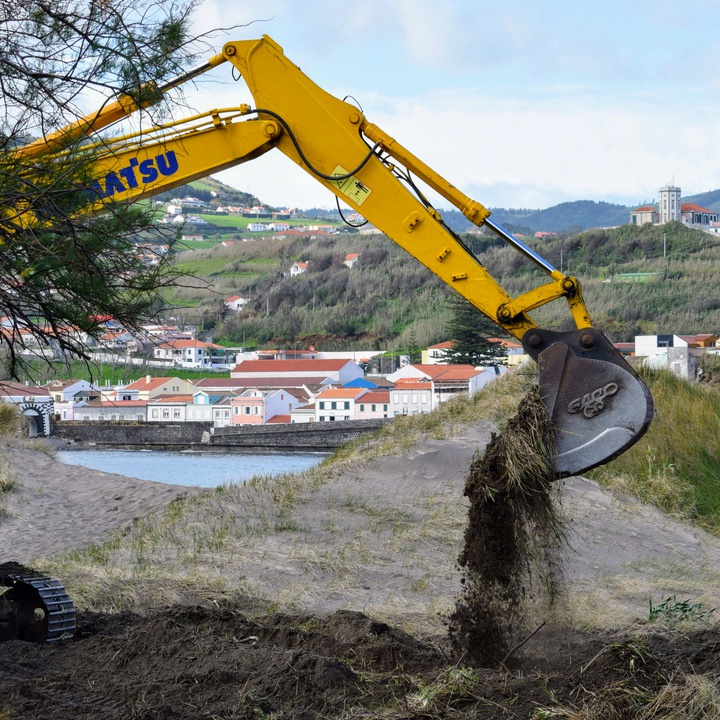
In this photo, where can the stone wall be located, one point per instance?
(301, 437)
(119, 433)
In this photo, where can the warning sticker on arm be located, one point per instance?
(351, 187)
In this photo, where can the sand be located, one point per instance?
(621, 552)
(393, 527)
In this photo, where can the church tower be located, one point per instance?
(669, 204)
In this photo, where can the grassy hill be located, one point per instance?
(389, 300)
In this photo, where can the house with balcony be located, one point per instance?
(194, 354)
(448, 380)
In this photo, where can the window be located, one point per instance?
(322, 405)
(237, 410)
(247, 409)
(166, 413)
(423, 398)
(405, 397)
(414, 397)
(176, 413)
(385, 409)
(396, 397)
(333, 405)
(372, 407)
(154, 413)
(347, 405)
(256, 410)
(362, 408)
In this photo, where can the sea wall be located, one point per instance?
(301, 437)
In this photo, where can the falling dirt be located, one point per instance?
(513, 541)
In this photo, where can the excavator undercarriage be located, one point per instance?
(33, 607)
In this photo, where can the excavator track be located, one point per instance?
(33, 607)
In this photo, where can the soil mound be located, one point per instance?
(193, 663)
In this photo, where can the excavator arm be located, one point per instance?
(598, 404)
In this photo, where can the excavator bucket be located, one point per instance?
(597, 402)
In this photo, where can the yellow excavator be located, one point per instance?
(598, 404)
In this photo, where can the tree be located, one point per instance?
(62, 271)
(470, 330)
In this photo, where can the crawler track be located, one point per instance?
(33, 607)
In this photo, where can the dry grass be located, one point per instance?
(256, 539)
(676, 465)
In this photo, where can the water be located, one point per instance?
(198, 469)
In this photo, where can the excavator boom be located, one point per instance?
(598, 403)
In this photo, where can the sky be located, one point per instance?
(520, 103)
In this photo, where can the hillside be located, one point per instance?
(389, 300)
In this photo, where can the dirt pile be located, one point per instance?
(514, 537)
(192, 663)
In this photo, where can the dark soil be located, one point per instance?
(196, 663)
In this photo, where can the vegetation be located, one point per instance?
(470, 332)
(676, 465)
(388, 299)
(60, 269)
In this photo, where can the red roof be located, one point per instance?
(267, 367)
(12, 389)
(182, 344)
(171, 399)
(341, 393)
(692, 207)
(436, 371)
(376, 396)
(147, 382)
(279, 419)
(413, 384)
(645, 208)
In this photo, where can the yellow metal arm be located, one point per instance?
(332, 141)
(374, 174)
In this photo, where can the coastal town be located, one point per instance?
(285, 387)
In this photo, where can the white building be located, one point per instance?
(194, 354)
(337, 404)
(670, 204)
(298, 268)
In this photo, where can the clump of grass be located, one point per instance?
(673, 610)
(11, 421)
(688, 696)
(8, 483)
(455, 687)
(676, 465)
(513, 535)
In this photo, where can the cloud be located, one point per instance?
(517, 103)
